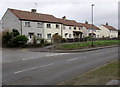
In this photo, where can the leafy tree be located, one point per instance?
(15, 32)
(6, 38)
(57, 39)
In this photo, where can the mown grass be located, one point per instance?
(87, 44)
(99, 76)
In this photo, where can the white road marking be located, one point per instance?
(55, 54)
(47, 65)
(33, 68)
(72, 59)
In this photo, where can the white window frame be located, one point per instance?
(27, 24)
(48, 26)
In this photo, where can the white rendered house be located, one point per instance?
(89, 30)
(108, 31)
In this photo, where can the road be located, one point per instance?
(36, 68)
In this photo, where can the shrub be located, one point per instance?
(88, 38)
(57, 39)
(6, 38)
(19, 40)
(15, 32)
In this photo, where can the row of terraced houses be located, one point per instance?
(31, 23)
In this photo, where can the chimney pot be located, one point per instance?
(33, 10)
(64, 17)
(106, 23)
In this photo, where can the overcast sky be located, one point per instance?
(79, 10)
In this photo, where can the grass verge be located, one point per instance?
(99, 76)
(87, 44)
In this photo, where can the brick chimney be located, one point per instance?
(33, 10)
(64, 17)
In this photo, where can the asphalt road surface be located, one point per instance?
(36, 68)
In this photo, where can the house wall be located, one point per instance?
(67, 30)
(104, 32)
(108, 33)
(10, 21)
(113, 33)
(53, 30)
(32, 29)
(70, 31)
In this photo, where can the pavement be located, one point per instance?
(113, 82)
(43, 68)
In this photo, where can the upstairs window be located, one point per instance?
(57, 26)
(74, 28)
(48, 25)
(27, 24)
(40, 25)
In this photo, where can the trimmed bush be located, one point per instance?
(19, 40)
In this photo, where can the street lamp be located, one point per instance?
(92, 25)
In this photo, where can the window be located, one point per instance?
(27, 24)
(49, 36)
(69, 35)
(48, 25)
(40, 25)
(74, 28)
(57, 26)
(69, 27)
(66, 34)
(39, 35)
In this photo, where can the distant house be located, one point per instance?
(70, 28)
(108, 31)
(90, 30)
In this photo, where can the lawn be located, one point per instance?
(99, 76)
(87, 44)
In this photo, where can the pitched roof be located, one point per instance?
(89, 26)
(26, 15)
(69, 22)
(109, 27)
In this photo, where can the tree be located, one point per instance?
(15, 32)
(57, 39)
